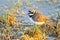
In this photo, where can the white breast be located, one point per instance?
(39, 23)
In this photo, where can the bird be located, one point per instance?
(38, 17)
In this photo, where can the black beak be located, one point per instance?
(29, 11)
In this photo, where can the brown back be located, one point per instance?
(40, 17)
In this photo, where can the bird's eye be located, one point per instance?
(32, 12)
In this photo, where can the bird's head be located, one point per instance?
(31, 12)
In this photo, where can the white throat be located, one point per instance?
(30, 14)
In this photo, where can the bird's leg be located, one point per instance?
(45, 28)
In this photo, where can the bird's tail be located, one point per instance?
(50, 20)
